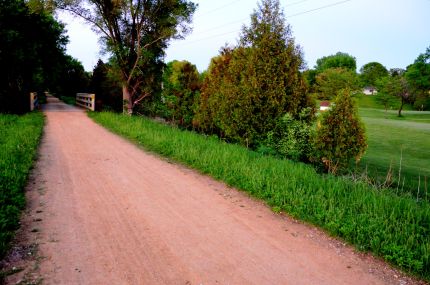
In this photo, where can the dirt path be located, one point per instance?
(105, 212)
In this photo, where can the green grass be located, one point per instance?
(390, 139)
(396, 228)
(372, 101)
(19, 139)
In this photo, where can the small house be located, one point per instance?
(370, 90)
(324, 105)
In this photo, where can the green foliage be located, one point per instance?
(293, 138)
(395, 228)
(418, 77)
(18, 144)
(136, 33)
(181, 82)
(340, 134)
(106, 87)
(339, 60)
(395, 86)
(31, 48)
(249, 87)
(371, 72)
(333, 80)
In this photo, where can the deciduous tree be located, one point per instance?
(181, 82)
(418, 77)
(396, 86)
(338, 60)
(136, 33)
(371, 72)
(332, 80)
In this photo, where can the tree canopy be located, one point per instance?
(181, 88)
(338, 60)
(333, 80)
(371, 72)
(136, 33)
(32, 54)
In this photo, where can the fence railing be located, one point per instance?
(34, 101)
(86, 100)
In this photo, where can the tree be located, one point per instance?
(371, 72)
(106, 87)
(249, 87)
(339, 60)
(136, 33)
(418, 77)
(181, 82)
(332, 80)
(396, 86)
(32, 46)
(340, 134)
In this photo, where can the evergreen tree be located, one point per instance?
(340, 134)
(254, 84)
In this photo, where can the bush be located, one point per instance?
(293, 138)
(340, 134)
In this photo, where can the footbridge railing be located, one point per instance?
(86, 100)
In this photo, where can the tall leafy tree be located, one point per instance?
(371, 72)
(181, 82)
(136, 33)
(106, 87)
(396, 86)
(338, 60)
(418, 77)
(32, 46)
(333, 80)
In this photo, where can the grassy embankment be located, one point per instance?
(396, 228)
(19, 139)
(397, 143)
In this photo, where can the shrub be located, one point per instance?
(340, 134)
(293, 138)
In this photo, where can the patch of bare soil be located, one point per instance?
(102, 211)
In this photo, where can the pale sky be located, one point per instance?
(392, 32)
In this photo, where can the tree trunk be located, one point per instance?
(127, 101)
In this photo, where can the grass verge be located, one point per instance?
(19, 139)
(396, 228)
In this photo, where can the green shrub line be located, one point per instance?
(19, 140)
(395, 228)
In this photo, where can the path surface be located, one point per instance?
(106, 212)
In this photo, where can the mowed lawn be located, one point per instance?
(392, 139)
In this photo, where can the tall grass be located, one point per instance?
(18, 144)
(396, 228)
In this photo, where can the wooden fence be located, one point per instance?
(86, 100)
